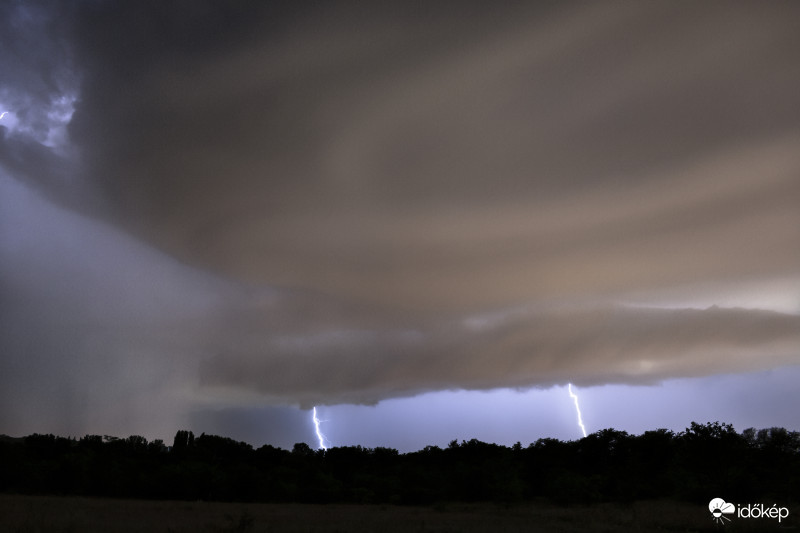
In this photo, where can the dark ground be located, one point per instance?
(73, 514)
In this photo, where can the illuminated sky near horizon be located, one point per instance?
(425, 220)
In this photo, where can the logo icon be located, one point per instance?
(719, 508)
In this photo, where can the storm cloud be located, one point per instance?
(297, 204)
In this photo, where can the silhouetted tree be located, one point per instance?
(608, 465)
(183, 441)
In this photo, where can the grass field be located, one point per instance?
(78, 515)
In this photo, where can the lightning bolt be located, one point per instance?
(577, 408)
(320, 436)
(4, 113)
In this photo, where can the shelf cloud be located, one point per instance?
(306, 205)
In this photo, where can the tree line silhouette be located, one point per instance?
(704, 461)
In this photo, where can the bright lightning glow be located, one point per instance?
(4, 113)
(320, 436)
(577, 408)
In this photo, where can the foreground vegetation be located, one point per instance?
(705, 461)
(608, 481)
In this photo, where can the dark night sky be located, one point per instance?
(426, 220)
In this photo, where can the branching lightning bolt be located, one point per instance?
(320, 436)
(577, 408)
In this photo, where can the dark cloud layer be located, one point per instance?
(289, 203)
(448, 159)
(586, 346)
